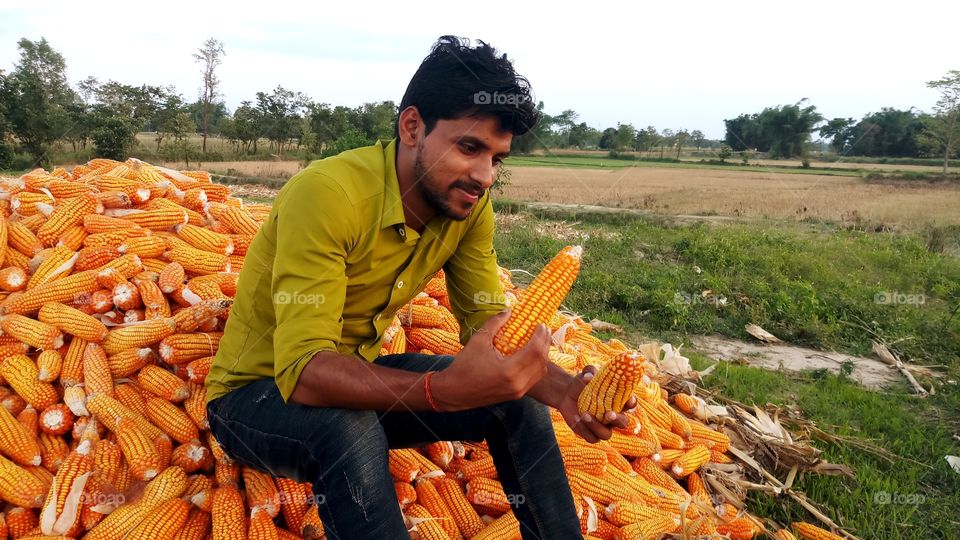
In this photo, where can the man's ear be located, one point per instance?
(410, 126)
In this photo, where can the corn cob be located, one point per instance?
(192, 456)
(205, 239)
(29, 418)
(437, 340)
(808, 531)
(19, 444)
(228, 514)
(72, 238)
(22, 239)
(12, 279)
(20, 487)
(648, 529)
(61, 509)
(429, 499)
(161, 219)
(612, 386)
(427, 526)
(65, 289)
(138, 335)
(584, 458)
(262, 493)
(540, 300)
(183, 348)
(487, 494)
(465, 516)
(691, 460)
(262, 527)
(109, 411)
(238, 220)
(138, 450)
(72, 321)
(56, 419)
(503, 528)
(198, 261)
(66, 215)
(22, 375)
(163, 383)
(58, 262)
(32, 332)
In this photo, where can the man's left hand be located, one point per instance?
(591, 429)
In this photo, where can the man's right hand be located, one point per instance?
(480, 375)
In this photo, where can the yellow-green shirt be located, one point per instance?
(333, 263)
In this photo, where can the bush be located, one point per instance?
(114, 137)
(6, 156)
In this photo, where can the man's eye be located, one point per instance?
(468, 148)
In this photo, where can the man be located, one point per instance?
(297, 388)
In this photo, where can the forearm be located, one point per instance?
(334, 380)
(552, 387)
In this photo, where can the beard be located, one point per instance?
(432, 191)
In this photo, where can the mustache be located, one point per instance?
(474, 188)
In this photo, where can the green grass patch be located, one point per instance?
(915, 496)
(604, 162)
(809, 284)
(802, 282)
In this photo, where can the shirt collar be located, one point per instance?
(392, 204)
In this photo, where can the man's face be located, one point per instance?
(458, 161)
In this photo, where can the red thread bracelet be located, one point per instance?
(426, 391)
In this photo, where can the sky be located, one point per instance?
(678, 65)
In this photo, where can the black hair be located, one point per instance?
(456, 80)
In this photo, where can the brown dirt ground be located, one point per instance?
(739, 194)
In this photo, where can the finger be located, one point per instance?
(631, 404)
(495, 323)
(613, 419)
(590, 369)
(600, 431)
(584, 433)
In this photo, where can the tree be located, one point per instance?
(247, 126)
(626, 133)
(36, 97)
(840, 131)
(682, 137)
(782, 131)
(888, 133)
(167, 120)
(608, 139)
(943, 126)
(210, 57)
(280, 114)
(537, 137)
(697, 137)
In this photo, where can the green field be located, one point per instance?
(594, 162)
(806, 285)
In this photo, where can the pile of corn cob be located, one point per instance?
(116, 280)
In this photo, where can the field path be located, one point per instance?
(868, 372)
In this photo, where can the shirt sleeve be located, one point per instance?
(309, 281)
(473, 283)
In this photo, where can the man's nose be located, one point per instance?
(483, 173)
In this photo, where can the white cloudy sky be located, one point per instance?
(672, 64)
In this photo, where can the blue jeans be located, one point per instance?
(343, 452)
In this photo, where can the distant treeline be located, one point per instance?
(40, 110)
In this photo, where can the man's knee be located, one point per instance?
(346, 439)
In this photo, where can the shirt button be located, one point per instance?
(400, 284)
(402, 232)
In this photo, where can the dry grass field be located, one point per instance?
(733, 193)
